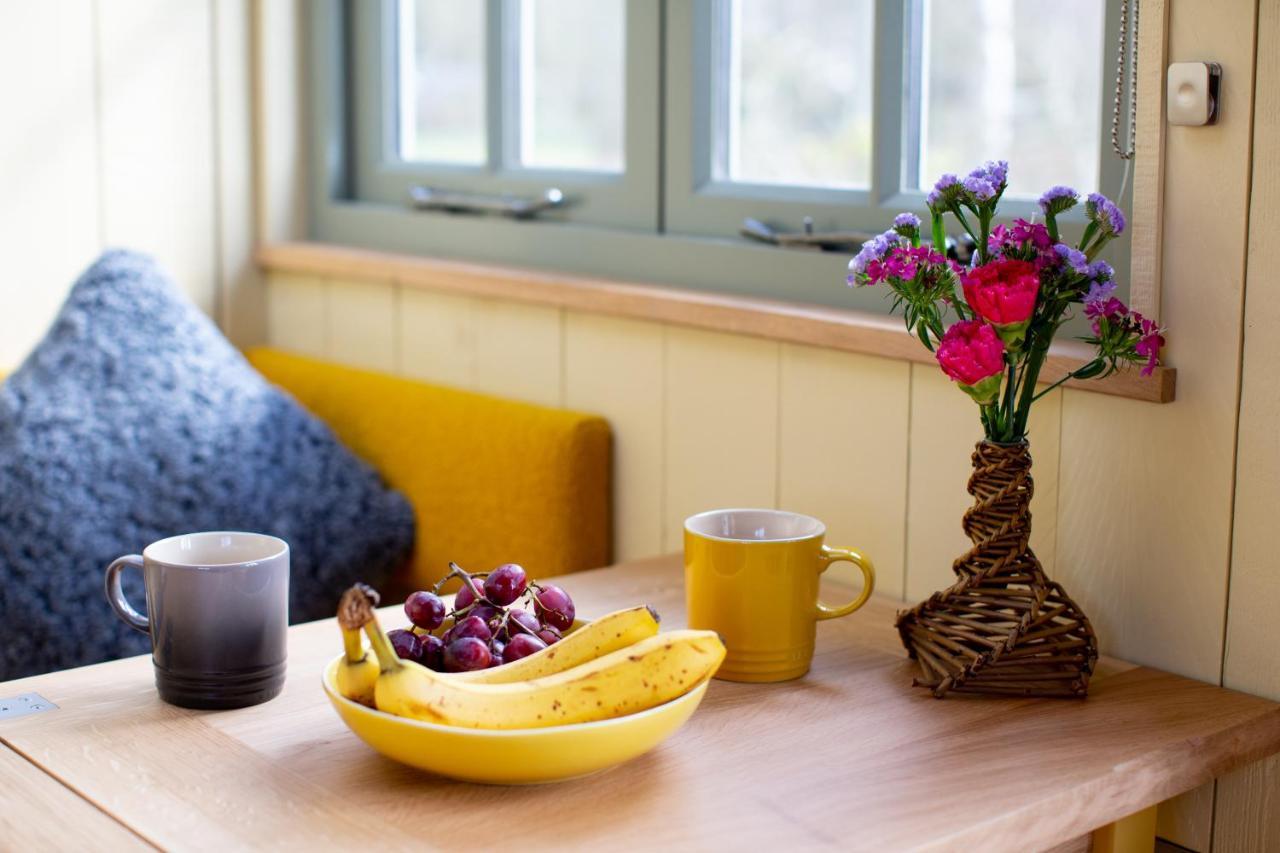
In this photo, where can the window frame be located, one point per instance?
(659, 255)
(626, 199)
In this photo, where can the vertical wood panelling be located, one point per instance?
(362, 325)
(721, 426)
(48, 157)
(242, 307)
(1249, 801)
(280, 149)
(437, 337)
(613, 367)
(944, 428)
(517, 351)
(157, 137)
(843, 446)
(1044, 432)
(298, 314)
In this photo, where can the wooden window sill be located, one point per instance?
(814, 325)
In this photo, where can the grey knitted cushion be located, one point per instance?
(134, 420)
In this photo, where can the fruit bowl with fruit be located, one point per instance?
(496, 692)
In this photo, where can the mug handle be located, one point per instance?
(115, 594)
(837, 555)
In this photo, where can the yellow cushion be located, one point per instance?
(491, 481)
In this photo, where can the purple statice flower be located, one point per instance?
(906, 220)
(979, 187)
(995, 171)
(1103, 211)
(1101, 271)
(944, 192)
(873, 250)
(908, 225)
(1058, 199)
(1099, 293)
(1076, 259)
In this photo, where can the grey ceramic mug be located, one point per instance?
(217, 613)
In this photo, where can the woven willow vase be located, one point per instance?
(1003, 627)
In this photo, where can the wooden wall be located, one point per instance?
(126, 123)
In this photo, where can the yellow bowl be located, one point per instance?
(512, 756)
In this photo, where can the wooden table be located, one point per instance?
(850, 757)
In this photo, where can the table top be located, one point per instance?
(849, 757)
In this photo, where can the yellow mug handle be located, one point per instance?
(836, 555)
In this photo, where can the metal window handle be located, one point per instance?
(453, 201)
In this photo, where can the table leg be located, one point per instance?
(1133, 834)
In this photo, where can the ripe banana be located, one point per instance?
(358, 672)
(648, 673)
(607, 634)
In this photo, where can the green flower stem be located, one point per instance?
(1051, 223)
(939, 234)
(1072, 375)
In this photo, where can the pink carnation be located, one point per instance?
(972, 354)
(1002, 292)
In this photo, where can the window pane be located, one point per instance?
(571, 84)
(798, 89)
(1016, 80)
(441, 61)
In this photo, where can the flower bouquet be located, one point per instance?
(1004, 627)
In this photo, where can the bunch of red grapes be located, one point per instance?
(498, 617)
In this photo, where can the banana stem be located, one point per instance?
(354, 647)
(388, 660)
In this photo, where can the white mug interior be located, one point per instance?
(754, 525)
(214, 549)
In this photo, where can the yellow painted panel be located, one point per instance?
(721, 425)
(613, 367)
(49, 202)
(158, 142)
(944, 428)
(362, 327)
(437, 337)
(298, 314)
(843, 453)
(517, 351)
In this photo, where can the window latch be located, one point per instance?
(960, 250)
(515, 207)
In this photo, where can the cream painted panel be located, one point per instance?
(613, 367)
(242, 307)
(1249, 801)
(362, 326)
(298, 314)
(280, 98)
(437, 337)
(1248, 818)
(48, 191)
(944, 429)
(1145, 518)
(157, 136)
(518, 351)
(721, 426)
(843, 453)
(1044, 432)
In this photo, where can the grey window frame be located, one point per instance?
(625, 200)
(701, 256)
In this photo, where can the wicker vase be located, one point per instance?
(1003, 627)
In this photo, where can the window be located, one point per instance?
(666, 123)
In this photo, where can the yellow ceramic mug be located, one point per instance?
(752, 576)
